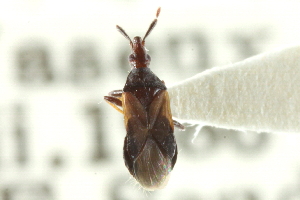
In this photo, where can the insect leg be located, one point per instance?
(178, 125)
(114, 102)
(116, 93)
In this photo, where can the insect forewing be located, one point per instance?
(150, 149)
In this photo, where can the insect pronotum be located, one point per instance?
(150, 149)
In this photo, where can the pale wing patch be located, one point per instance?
(160, 105)
(133, 109)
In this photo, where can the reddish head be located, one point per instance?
(139, 57)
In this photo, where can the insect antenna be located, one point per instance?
(124, 34)
(152, 25)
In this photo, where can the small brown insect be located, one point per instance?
(150, 149)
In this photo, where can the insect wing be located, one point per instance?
(162, 126)
(135, 119)
(152, 167)
(150, 149)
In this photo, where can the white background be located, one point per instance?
(59, 140)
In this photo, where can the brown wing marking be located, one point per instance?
(162, 126)
(133, 110)
(135, 119)
(160, 106)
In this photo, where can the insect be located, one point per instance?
(150, 149)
